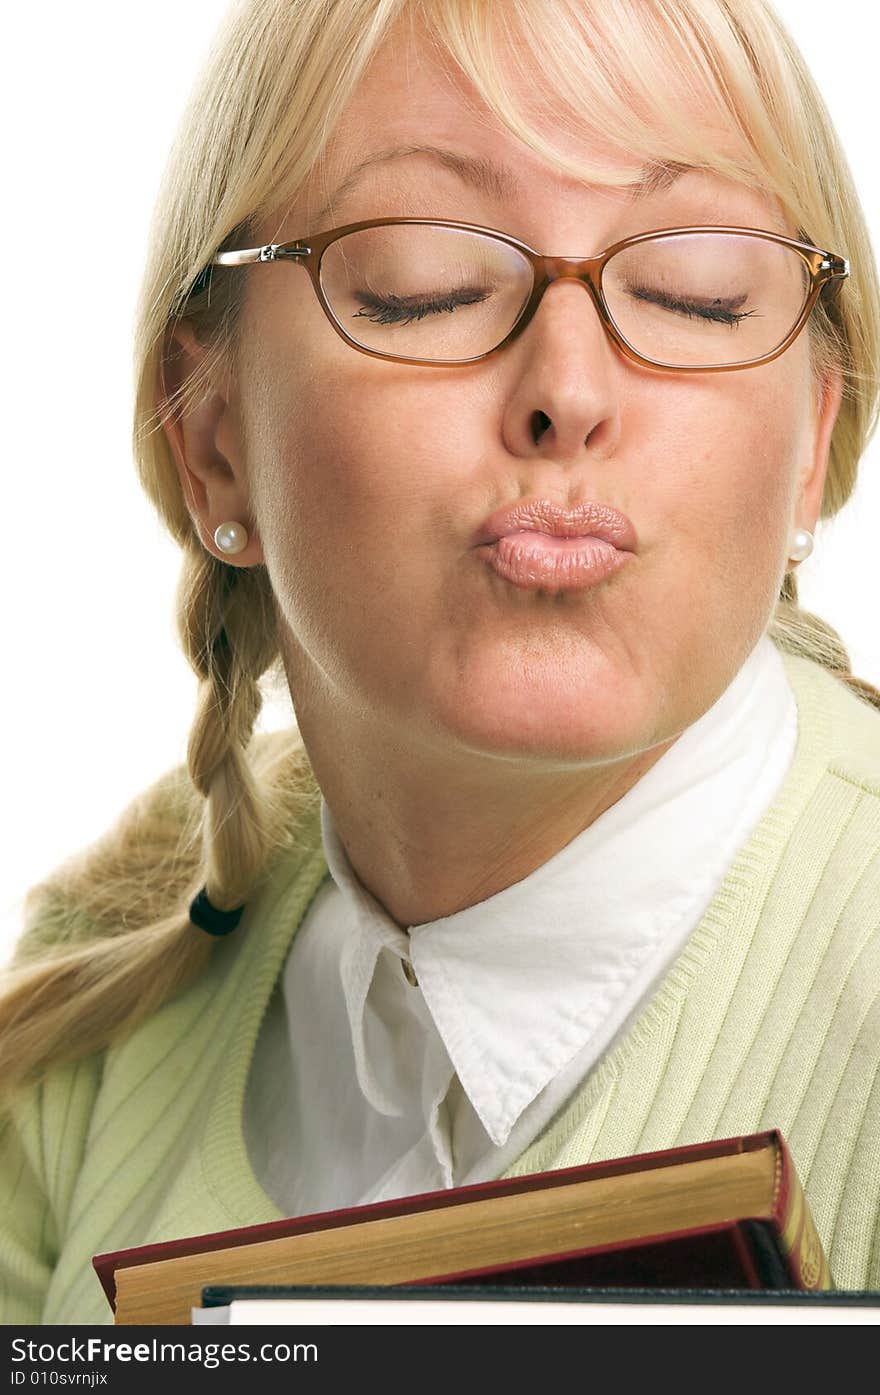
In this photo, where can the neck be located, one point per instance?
(428, 838)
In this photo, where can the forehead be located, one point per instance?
(414, 97)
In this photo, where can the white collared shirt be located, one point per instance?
(365, 1087)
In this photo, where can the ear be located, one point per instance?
(206, 443)
(812, 480)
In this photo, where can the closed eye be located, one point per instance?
(394, 309)
(717, 311)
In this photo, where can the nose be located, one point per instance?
(563, 394)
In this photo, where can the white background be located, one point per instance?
(98, 698)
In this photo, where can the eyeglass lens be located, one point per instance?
(441, 294)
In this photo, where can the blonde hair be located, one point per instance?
(107, 936)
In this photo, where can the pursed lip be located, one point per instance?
(587, 520)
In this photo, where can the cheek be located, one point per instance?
(353, 472)
(364, 460)
(737, 497)
(360, 446)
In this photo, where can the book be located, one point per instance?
(727, 1213)
(348, 1305)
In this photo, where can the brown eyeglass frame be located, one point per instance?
(824, 267)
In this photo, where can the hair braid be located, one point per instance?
(226, 622)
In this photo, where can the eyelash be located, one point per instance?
(714, 312)
(393, 310)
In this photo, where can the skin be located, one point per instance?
(464, 730)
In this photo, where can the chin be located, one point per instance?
(561, 719)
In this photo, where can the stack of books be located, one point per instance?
(729, 1214)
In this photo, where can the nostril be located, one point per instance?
(540, 422)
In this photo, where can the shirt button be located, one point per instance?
(409, 973)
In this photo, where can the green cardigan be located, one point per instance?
(769, 1017)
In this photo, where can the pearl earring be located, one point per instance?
(231, 537)
(801, 545)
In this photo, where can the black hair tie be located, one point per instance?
(209, 918)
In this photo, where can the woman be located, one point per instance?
(575, 850)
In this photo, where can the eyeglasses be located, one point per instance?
(423, 291)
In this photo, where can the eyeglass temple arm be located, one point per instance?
(274, 252)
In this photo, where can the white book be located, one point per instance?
(750, 1309)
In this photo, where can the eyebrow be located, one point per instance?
(488, 177)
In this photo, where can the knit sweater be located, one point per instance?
(769, 1017)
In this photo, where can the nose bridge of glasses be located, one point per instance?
(582, 270)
